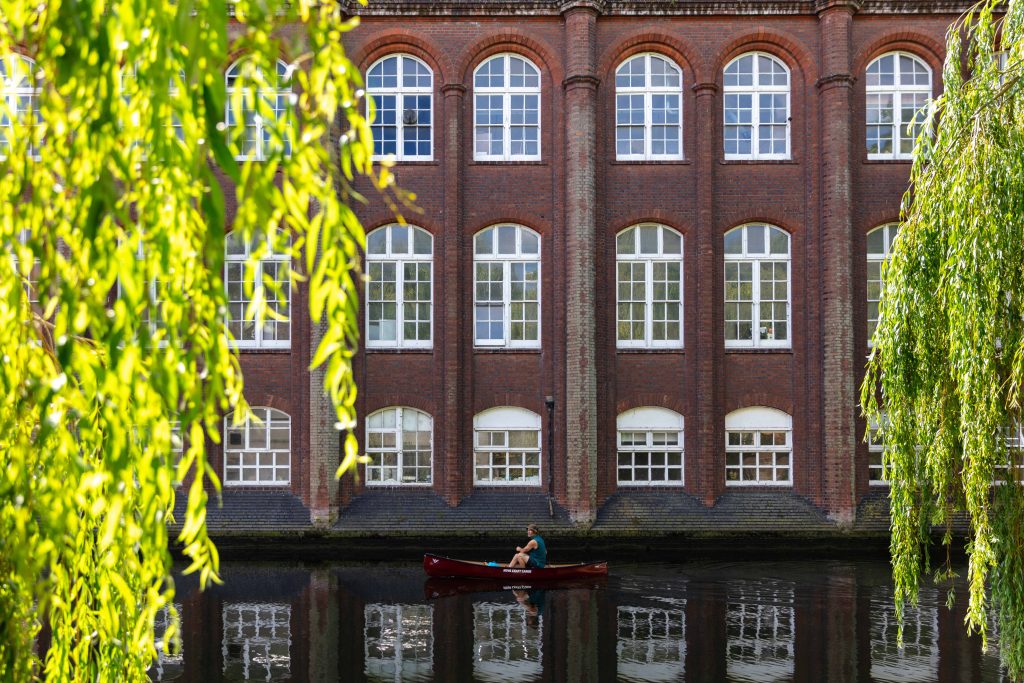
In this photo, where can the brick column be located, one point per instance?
(324, 442)
(710, 336)
(580, 227)
(455, 353)
(835, 90)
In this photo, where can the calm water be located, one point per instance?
(692, 621)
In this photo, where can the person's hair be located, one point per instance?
(534, 527)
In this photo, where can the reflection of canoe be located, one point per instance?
(438, 566)
(440, 588)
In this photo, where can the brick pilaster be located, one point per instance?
(580, 239)
(452, 336)
(835, 91)
(324, 442)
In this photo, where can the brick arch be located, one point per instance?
(878, 218)
(758, 399)
(267, 401)
(924, 46)
(782, 44)
(650, 400)
(540, 226)
(658, 216)
(433, 228)
(394, 41)
(510, 40)
(406, 400)
(680, 52)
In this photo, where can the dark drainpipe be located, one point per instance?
(549, 403)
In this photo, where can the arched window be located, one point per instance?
(506, 447)
(258, 450)
(399, 262)
(758, 447)
(649, 287)
(506, 292)
(402, 88)
(899, 86)
(270, 279)
(648, 108)
(255, 103)
(20, 94)
(650, 449)
(879, 245)
(400, 445)
(757, 287)
(756, 89)
(506, 103)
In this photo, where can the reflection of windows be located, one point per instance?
(651, 644)
(506, 109)
(760, 626)
(650, 448)
(758, 447)
(258, 450)
(648, 109)
(402, 88)
(399, 262)
(257, 640)
(649, 287)
(399, 445)
(399, 642)
(918, 660)
(506, 447)
(899, 86)
(167, 667)
(756, 91)
(505, 646)
(879, 247)
(506, 291)
(255, 103)
(757, 287)
(270, 280)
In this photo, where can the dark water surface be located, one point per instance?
(710, 620)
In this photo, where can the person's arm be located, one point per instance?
(532, 545)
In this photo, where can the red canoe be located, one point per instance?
(435, 565)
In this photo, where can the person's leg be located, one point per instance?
(519, 561)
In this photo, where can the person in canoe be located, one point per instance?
(533, 555)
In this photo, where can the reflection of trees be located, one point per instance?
(167, 667)
(651, 644)
(918, 659)
(761, 627)
(257, 640)
(505, 646)
(399, 641)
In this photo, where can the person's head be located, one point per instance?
(532, 529)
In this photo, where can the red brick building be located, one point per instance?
(638, 293)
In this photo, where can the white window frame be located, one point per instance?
(271, 256)
(507, 91)
(648, 262)
(757, 261)
(507, 419)
(888, 232)
(759, 420)
(400, 261)
(876, 451)
(897, 90)
(268, 419)
(262, 147)
(399, 448)
(755, 91)
(18, 82)
(650, 421)
(399, 92)
(1013, 441)
(29, 284)
(506, 261)
(649, 91)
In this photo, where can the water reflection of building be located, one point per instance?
(506, 647)
(257, 640)
(651, 644)
(918, 659)
(170, 663)
(399, 642)
(761, 629)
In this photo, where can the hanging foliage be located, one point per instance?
(117, 360)
(948, 353)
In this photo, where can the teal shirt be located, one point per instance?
(539, 555)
